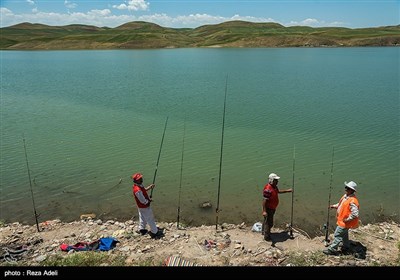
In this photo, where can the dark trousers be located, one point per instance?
(268, 222)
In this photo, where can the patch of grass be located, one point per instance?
(146, 262)
(96, 259)
(139, 35)
(85, 259)
(149, 261)
(310, 259)
(130, 235)
(183, 225)
(398, 254)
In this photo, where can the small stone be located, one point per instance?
(40, 258)
(205, 205)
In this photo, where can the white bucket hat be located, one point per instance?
(352, 185)
(273, 176)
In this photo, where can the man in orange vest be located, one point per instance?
(270, 203)
(143, 203)
(347, 217)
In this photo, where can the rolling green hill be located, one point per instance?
(231, 34)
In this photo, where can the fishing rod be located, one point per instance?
(159, 154)
(291, 216)
(329, 203)
(119, 182)
(180, 179)
(220, 159)
(30, 183)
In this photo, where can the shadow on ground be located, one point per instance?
(356, 249)
(277, 237)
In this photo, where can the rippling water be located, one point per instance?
(91, 118)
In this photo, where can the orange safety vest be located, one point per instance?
(137, 188)
(343, 212)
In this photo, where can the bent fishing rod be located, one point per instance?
(220, 158)
(180, 179)
(329, 203)
(159, 154)
(291, 216)
(30, 183)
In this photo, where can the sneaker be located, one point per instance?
(142, 231)
(329, 252)
(157, 235)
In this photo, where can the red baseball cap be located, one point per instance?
(137, 176)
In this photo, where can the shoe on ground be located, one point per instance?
(329, 252)
(142, 231)
(159, 234)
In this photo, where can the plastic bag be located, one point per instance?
(257, 227)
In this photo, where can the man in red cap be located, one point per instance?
(143, 203)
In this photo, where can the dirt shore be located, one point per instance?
(229, 245)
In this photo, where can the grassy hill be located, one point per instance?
(145, 35)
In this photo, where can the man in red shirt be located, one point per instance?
(143, 203)
(270, 203)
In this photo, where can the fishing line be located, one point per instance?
(291, 216)
(30, 183)
(217, 210)
(159, 154)
(180, 179)
(117, 184)
(329, 203)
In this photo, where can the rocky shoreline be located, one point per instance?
(229, 245)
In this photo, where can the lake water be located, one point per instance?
(92, 118)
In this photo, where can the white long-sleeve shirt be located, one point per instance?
(140, 196)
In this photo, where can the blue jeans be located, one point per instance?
(341, 236)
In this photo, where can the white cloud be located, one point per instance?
(5, 12)
(31, 2)
(105, 17)
(252, 19)
(310, 21)
(314, 23)
(195, 20)
(133, 5)
(338, 23)
(94, 17)
(69, 4)
(99, 13)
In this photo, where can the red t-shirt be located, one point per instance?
(137, 188)
(270, 194)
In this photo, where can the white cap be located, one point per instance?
(273, 176)
(352, 185)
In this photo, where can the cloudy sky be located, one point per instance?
(194, 13)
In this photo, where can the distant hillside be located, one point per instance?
(231, 34)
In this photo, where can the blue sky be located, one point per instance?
(194, 13)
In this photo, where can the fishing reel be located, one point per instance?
(326, 241)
